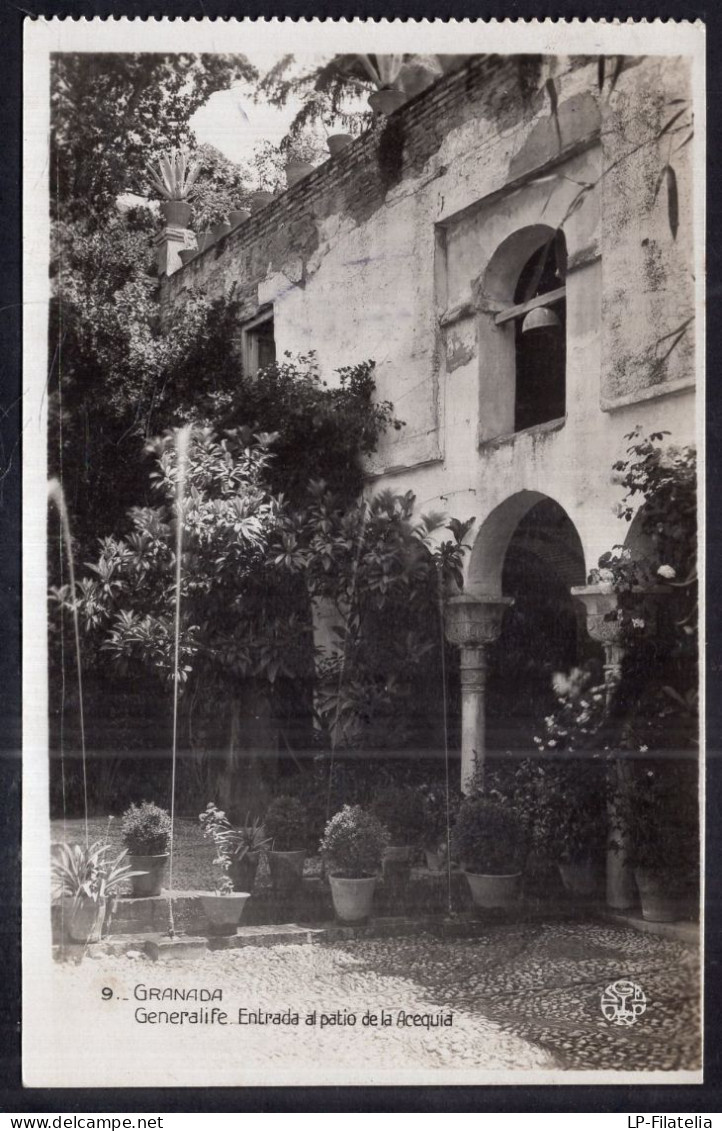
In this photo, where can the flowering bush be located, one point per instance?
(146, 830)
(569, 800)
(487, 836)
(286, 824)
(353, 843)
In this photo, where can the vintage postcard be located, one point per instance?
(363, 401)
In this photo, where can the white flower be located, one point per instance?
(667, 572)
(637, 622)
(643, 749)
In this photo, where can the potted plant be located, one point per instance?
(401, 812)
(338, 142)
(658, 808)
(566, 801)
(352, 848)
(238, 850)
(489, 842)
(224, 906)
(260, 199)
(221, 229)
(286, 826)
(384, 70)
(238, 216)
(146, 835)
(439, 817)
(175, 185)
(83, 880)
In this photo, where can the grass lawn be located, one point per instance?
(193, 868)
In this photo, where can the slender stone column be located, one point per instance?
(472, 623)
(601, 602)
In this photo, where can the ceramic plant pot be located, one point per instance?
(187, 254)
(153, 868)
(386, 101)
(338, 142)
(223, 912)
(296, 170)
(260, 200)
(176, 213)
(238, 216)
(352, 899)
(494, 891)
(287, 869)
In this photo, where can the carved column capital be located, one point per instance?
(471, 622)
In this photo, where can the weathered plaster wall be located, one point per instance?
(397, 250)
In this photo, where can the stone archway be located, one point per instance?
(528, 527)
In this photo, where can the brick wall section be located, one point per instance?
(357, 182)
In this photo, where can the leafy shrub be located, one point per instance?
(486, 837)
(353, 843)
(437, 812)
(401, 811)
(286, 824)
(146, 830)
(659, 808)
(567, 802)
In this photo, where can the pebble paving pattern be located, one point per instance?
(523, 997)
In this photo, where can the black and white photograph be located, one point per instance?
(362, 468)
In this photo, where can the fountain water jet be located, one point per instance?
(182, 445)
(57, 496)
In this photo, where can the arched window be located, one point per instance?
(539, 316)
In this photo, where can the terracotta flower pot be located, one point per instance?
(154, 869)
(260, 200)
(338, 142)
(296, 170)
(660, 903)
(493, 891)
(287, 869)
(386, 101)
(83, 919)
(352, 899)
(176, 212)
(239, 216)
(579, 877)
(187, 254)
(223, 912)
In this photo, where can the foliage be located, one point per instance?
(286, 824)
(326, 93)
(568, 800)
(401, 811)
(146, 829)
(353, 843)
(232, 845)
(487, 837)
(654, 580)
(177, 175)
(222, 187)
(438, 811)
(322, 431)
(658, 807)
(111, 113)
(88, 872)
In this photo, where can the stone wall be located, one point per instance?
(396, 250)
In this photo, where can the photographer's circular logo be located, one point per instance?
(623, 1002)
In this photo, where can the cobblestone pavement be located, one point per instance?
(522, 998)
